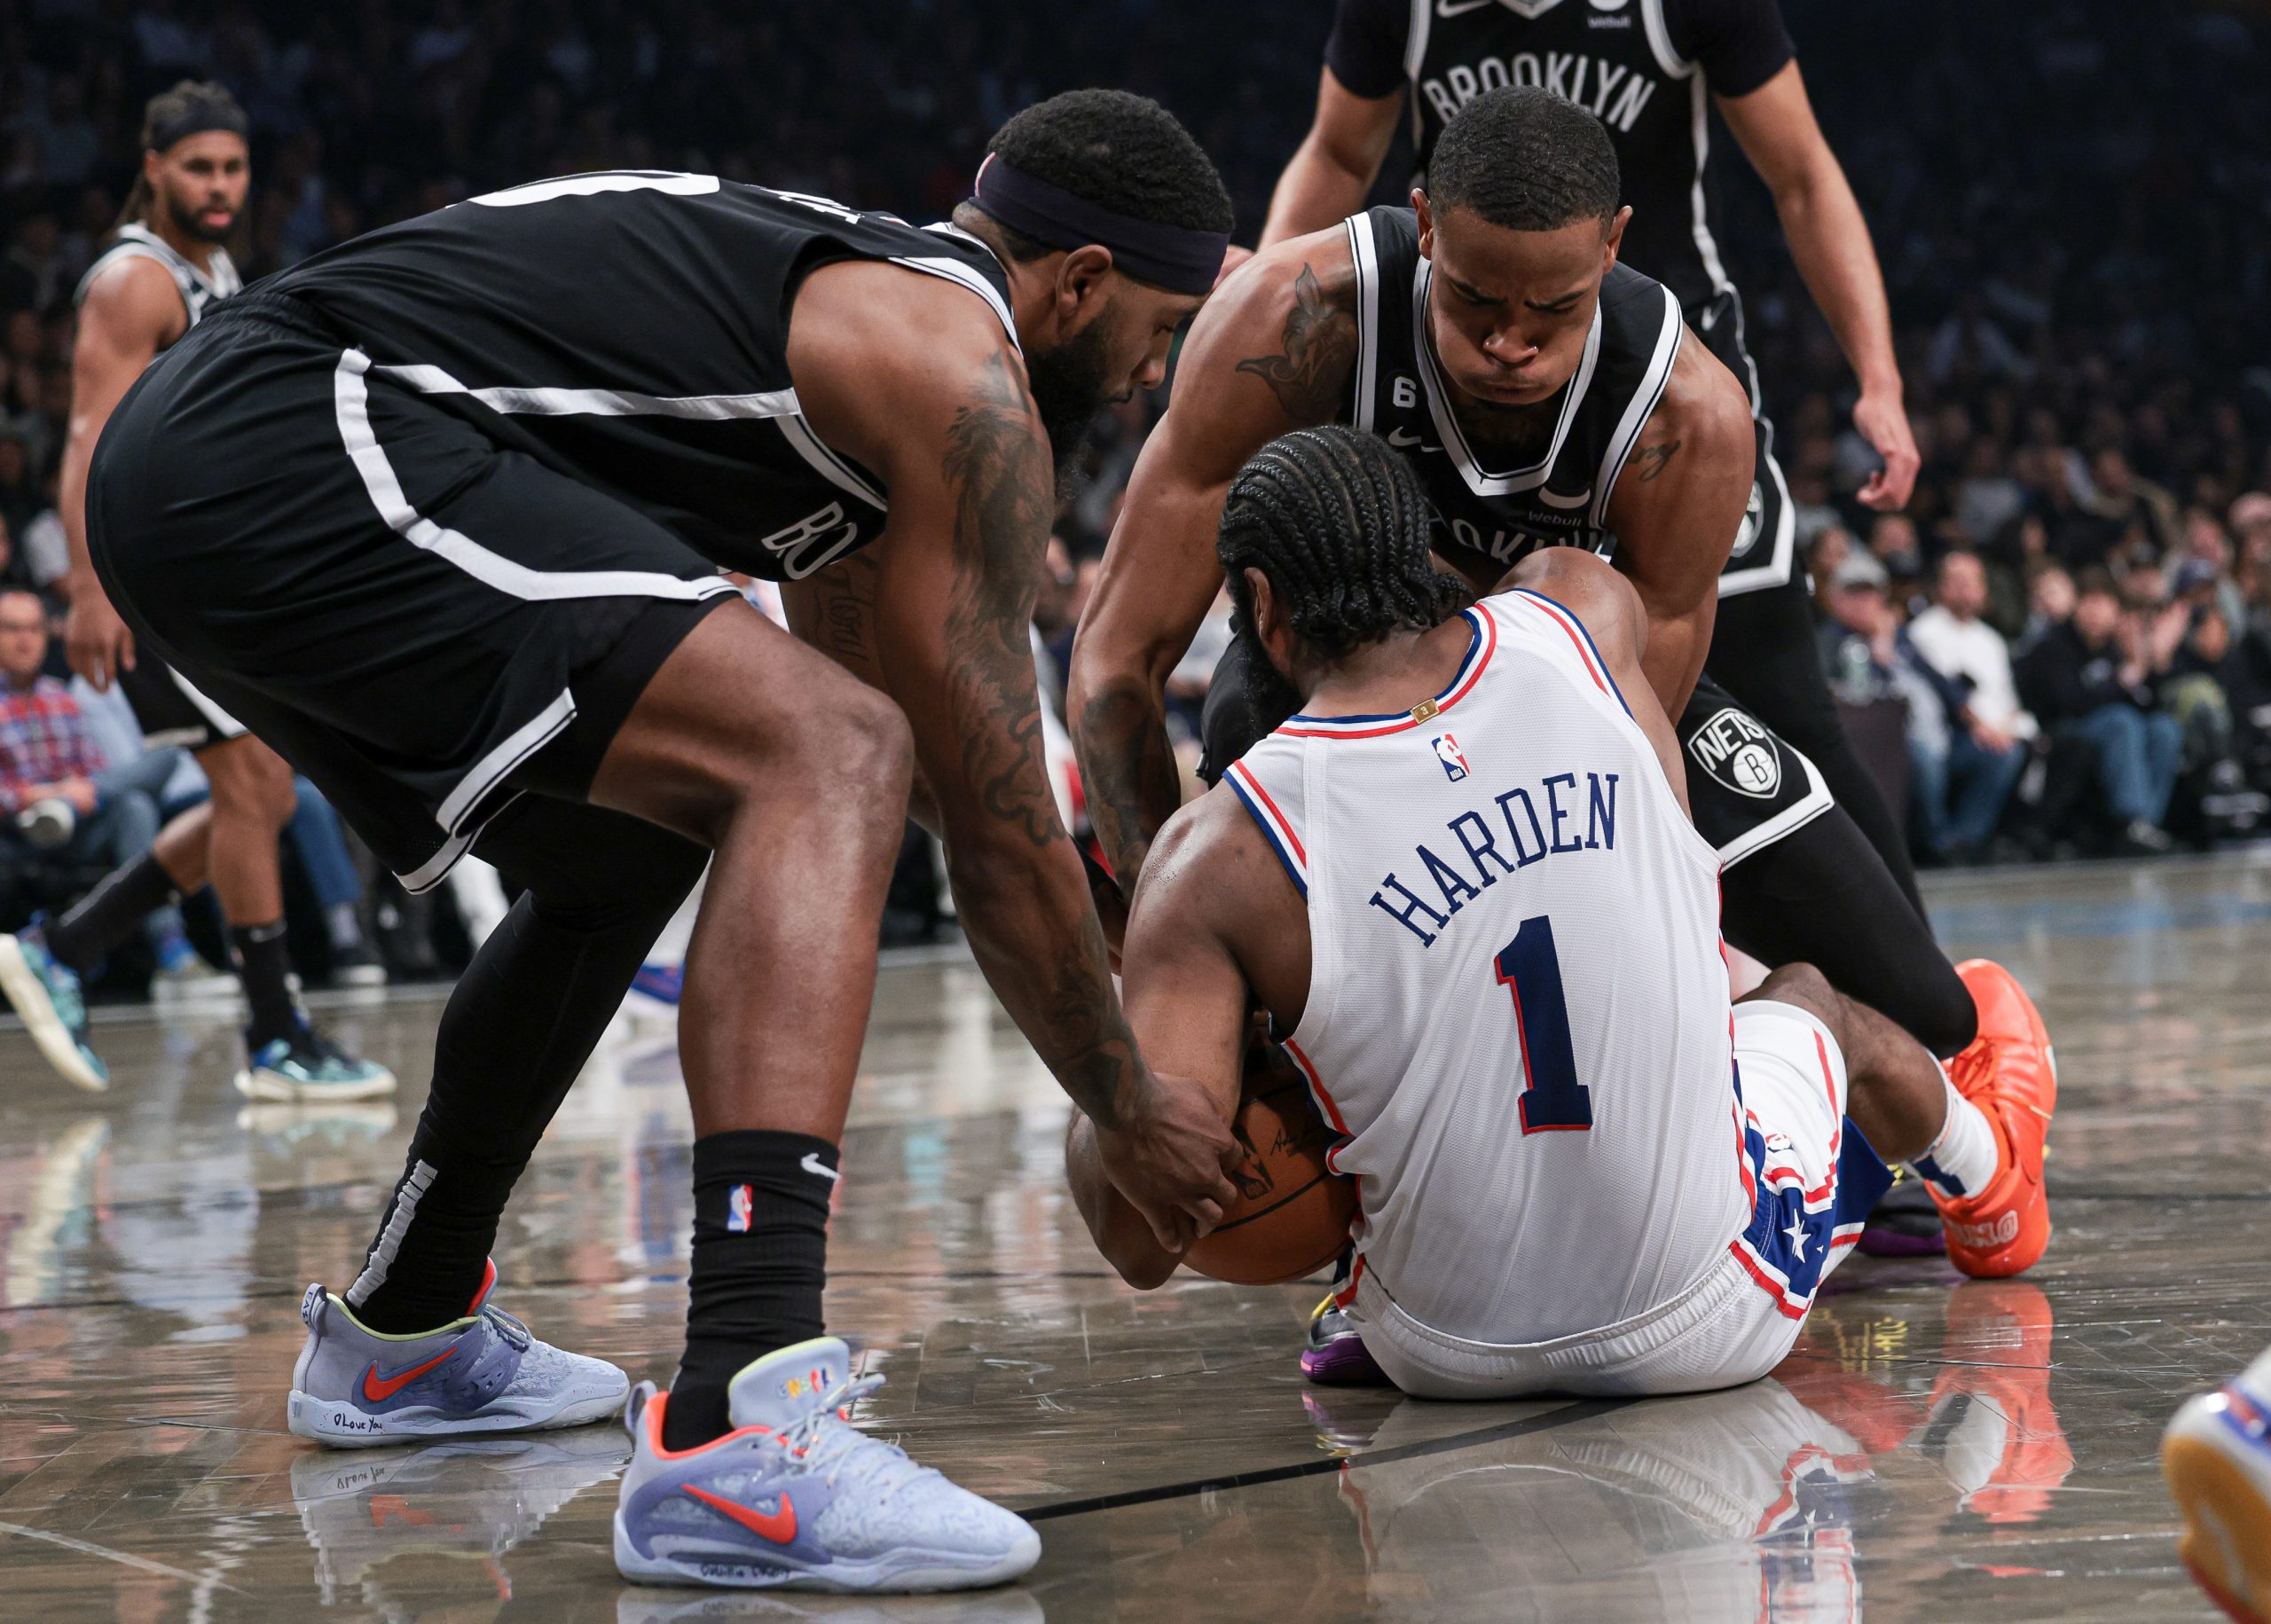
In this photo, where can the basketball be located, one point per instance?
(1292, 1215)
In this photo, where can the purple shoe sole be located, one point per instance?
(1342, 1362)
(1879, 1242)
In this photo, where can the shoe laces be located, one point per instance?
(507, 1326)
(826, 1442)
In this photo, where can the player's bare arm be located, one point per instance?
(1329, 175)
(1611, 611)
(1272, 352)
(131, 312)
(1677, 508)
(1215, 927)
(953, 432)
(1775, 126)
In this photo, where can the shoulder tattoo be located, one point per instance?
(1310, 370)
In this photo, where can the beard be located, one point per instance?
(1260, 696)
(1069, 385)
(191, 222)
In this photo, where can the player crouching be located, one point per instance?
(1463, 883)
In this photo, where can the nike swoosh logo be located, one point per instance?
(813, 1164)
(1402, 438)
(378, 1389)
(1459, 8)
(779, 1527)
(1554, 500)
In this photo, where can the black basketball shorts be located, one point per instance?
(425, 623)
(171, 709)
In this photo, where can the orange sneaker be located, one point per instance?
(2009, 1074)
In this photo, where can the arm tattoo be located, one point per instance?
(1310, 374)
(1650, 459)
(844, 601)
(1056, 979)
(1128, 773)
(998, 466)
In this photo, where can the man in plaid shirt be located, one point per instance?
(49, 752)
(46, 750)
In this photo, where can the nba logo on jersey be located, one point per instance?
(738, 1202)
(1454, 759)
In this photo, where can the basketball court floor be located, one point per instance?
(1935, 1450)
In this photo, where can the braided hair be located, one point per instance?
(1339, 524)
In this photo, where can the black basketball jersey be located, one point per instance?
(1622, 60)
(631, 330)
(1493, 516)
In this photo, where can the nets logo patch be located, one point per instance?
(1453, 759)
(1738, 753)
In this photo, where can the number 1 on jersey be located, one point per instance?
(1552, 1098)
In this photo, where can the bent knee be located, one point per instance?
(249, 777)
(1802, 986)
(862, 747)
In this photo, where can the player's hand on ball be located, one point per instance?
(98, 644)
(1168, 1154)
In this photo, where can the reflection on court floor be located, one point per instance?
(1932, 1449)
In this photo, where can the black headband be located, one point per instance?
(1174, 257)
(196, 115)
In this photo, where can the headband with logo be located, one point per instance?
(1174, 257)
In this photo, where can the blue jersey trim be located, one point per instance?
(1473, 646)
(1267, 833)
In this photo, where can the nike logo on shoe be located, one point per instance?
(778, 1525)
(378, 1389)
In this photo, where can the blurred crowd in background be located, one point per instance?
(2063, 645)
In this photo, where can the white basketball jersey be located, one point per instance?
(1518, 1013)
(198, 289)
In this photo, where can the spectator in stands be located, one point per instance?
(2091, 677)
(1991, 732)
(62, 808)
(2049, 602)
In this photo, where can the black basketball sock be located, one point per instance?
(261, 965)
(432, 1250)
(520, 1024)
(109, 914)
(760, 1260)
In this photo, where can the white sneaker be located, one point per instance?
(481, 1375)
(797, 1498)
(2216, 1455)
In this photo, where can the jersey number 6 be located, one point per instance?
(1553, 1098)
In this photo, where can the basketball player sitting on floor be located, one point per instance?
(1488, 934)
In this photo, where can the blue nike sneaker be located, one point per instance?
(481, 1375)
(46, 994)
(794, 1497)
(308, 1066)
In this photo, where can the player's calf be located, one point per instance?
(1973, 1131)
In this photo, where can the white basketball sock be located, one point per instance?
(1963, 1160)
